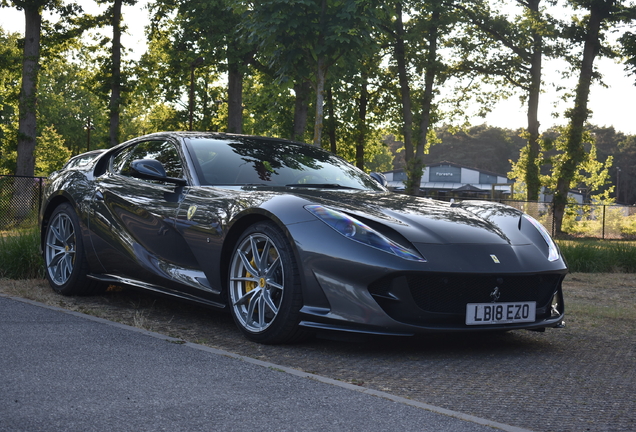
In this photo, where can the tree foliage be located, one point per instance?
(516, 59)
(599, 16)
(349, 73)
(51, 153)
(10, 61)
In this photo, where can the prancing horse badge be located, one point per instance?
(193, 209)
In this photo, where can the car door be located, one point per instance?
(132, 219)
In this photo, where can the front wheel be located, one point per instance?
(264, 288)
(66, 266)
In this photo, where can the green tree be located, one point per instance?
(55, 36)
(10, 59)
(520, 46)
(588, 30)
(306, 37)
(207, 30)
(416, 52)
(27, 125)
(51, 152)
(270, 106)
(590, 174)
(626, 177)
(25, 163)
(115, 17)
(70, 98)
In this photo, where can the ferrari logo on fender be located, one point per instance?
(191, 211)
(494, 258)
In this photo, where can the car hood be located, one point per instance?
(422, 220)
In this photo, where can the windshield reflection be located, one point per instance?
(253, 161)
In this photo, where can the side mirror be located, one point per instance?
(380, 178)
(151, 169)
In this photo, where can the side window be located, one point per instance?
(162, 151)
(119, 160)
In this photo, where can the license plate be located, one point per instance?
(500, 313)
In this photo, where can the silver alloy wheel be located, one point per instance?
(256, 282)
(60, 249)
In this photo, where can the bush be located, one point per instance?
(20, 255)
(628, 227)
(599, 221)
(598, 256)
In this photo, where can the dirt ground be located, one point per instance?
(579, 378)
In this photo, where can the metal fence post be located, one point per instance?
(40, 184)
(603, 235)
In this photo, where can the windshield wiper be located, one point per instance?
(321, 186)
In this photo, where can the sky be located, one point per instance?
(611, 106)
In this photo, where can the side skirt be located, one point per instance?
(118, 280)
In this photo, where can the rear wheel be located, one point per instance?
(264, 287)
(64, 258)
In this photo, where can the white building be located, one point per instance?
(451, 180)
(445, 180)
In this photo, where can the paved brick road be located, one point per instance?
(579, 378)
(571, 379)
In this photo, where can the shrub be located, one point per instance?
(20, 255)
(598, 256)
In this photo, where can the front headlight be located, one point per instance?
(361, 233)
(553, 251)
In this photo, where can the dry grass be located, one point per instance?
(602, 300)
(593, 301)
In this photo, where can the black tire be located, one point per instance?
(264, 291)
(65, 262)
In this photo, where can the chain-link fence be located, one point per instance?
(612, 222)
(608, 222)
(20, 201)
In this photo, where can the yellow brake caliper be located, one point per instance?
(250, 285)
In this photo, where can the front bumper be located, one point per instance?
(408, 303)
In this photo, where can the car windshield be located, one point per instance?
(252, 161)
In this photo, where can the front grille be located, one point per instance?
(449, 293)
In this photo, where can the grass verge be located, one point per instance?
(599, 256)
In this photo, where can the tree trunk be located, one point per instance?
(235, 99)
(27, 126)
(115, 93)
(30, 68)
(362, 123)
(405, 90)
(416, 167)
(575, 152)
(533, 183)
(331, 124)
(321, 74)
(301, 109)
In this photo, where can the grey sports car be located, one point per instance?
(292, 240)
